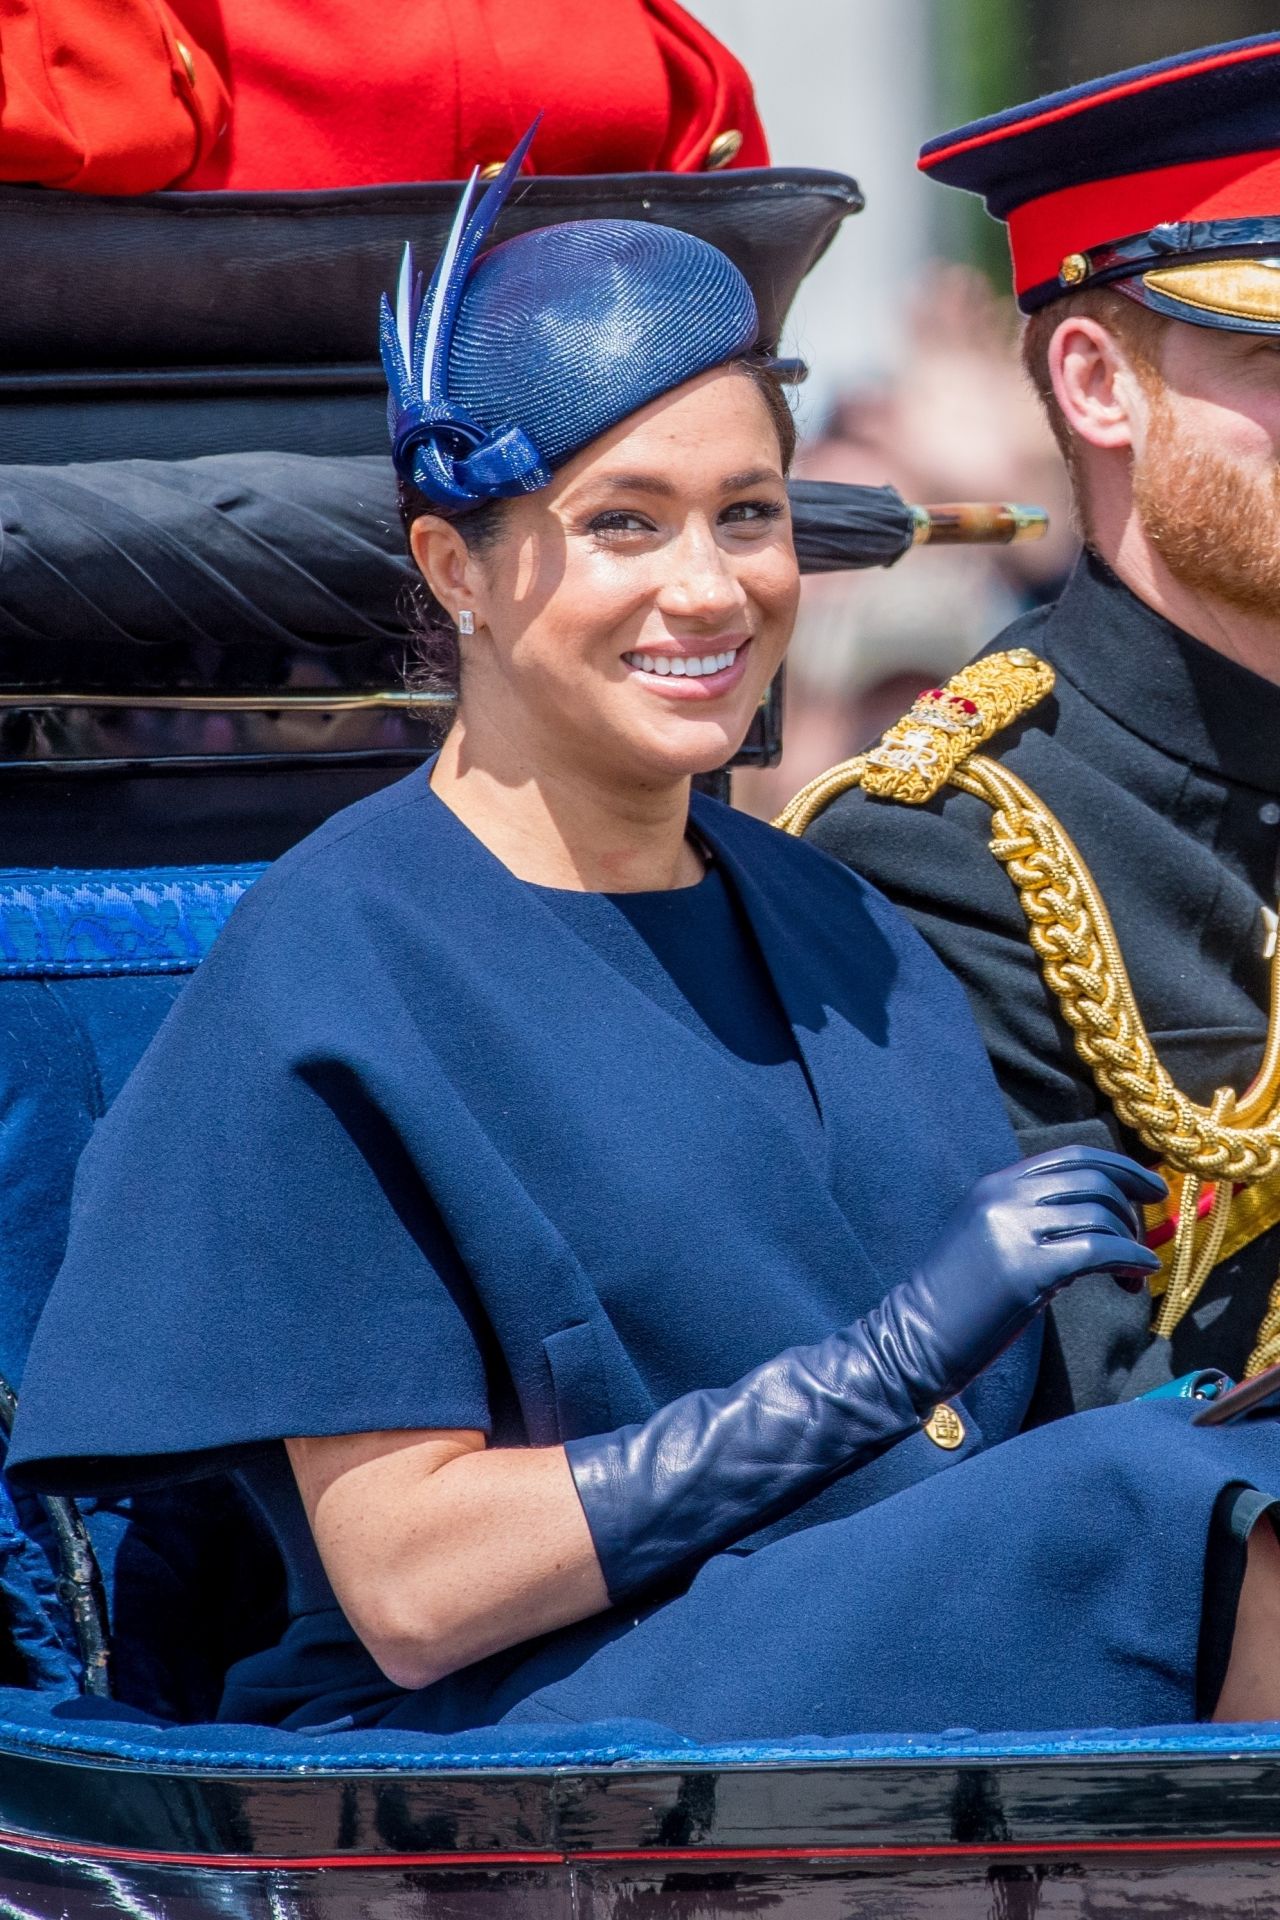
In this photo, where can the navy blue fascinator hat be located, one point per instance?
(508, 365)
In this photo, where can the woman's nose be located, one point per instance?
(700, 583)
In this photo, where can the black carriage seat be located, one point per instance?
(90, 963)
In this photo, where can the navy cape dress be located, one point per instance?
(424, 1146)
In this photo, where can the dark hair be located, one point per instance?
(435, 658)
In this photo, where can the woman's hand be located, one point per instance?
(1017, 1238)
(714, 1466)
(442, 1551)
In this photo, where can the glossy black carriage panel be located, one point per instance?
(1112, 1802)
(53, 1889)
(1140, 1887)
(1151, 1837)
(973, 1890)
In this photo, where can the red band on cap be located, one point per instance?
(1242, 187)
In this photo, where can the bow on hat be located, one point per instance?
(437, 446)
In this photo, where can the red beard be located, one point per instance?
(1214, 523)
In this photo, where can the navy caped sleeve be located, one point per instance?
(252, 1253)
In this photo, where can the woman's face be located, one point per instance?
(630, 616)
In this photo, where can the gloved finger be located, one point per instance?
(1111, 1253)
(1087, 1215)
(1138, 1183)
(1101, 1193)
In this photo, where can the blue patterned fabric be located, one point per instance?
(67, 924)
(505, 368)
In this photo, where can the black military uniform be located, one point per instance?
(1162, 760)
(1159, 756)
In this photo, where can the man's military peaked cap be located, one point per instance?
(1164, 180)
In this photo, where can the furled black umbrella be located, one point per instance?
(261, 572)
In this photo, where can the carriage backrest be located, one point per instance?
(90, 963)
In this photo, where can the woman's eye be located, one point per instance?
(752, 512)
(618, 520)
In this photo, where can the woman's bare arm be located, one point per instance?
(441, 1550)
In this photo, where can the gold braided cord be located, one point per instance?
(1232, 1144)
(1193, 1262)
(1267, 1351)
(1075, 942)
(804, 807)
(1254, 1211)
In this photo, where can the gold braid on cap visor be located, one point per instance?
(1232, 289)
(1210, 1154)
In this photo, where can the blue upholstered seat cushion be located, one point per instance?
(98, 1731)
(66, 1044)
(90, 963)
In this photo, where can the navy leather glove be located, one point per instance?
(713, 1466)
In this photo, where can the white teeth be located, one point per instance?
(687, 666)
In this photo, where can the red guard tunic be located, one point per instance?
(128, 96)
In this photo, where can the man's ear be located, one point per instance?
(445, 562)
(1095, 384)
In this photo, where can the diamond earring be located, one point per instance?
(466, 620)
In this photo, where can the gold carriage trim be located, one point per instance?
(1226, 1155)
(922, 752)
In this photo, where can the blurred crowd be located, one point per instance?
(954, 420)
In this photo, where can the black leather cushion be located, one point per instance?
(180, 324)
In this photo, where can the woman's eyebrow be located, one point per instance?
(754, 477)
(638, 483)
(654, 482)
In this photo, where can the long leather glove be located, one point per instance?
(713, 1466)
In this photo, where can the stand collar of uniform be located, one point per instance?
(1162, 684)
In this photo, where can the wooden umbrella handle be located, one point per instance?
(975, 523)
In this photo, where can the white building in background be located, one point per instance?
(845, 84)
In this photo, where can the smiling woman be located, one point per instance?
(565, 1202)
(626, 620)
(437, 663)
